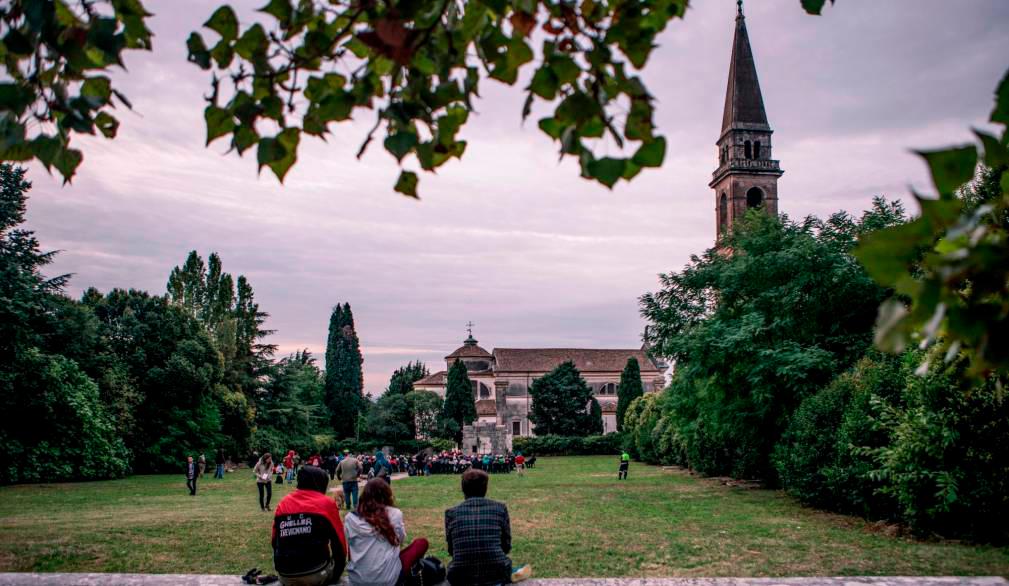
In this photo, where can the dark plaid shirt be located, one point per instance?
(479, 536)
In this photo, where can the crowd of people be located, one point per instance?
(312, 546)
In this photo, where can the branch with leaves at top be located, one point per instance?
(53, 53)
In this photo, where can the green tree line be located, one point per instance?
(777, 378)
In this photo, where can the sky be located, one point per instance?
(509, 238)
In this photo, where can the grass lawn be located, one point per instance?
(570, 517)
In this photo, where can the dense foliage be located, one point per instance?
(630, 388)
(743, 361)
(563, 404)
(558, 445)
(776, 379)
(459, 408)
(344, 377)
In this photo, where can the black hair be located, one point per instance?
(474, 483)
(313, 478)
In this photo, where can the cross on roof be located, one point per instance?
(739, 7)
(469, 327)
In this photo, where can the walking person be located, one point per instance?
(625, 463)
(479, 537)
(383, 469)
(309, 547)
(520, 464)
(375, 532)
(348, 472)
(289, 465)
(202, 464)
(263, 471)
(220, 460)
(192, 472)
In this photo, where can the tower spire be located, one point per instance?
(744, 104)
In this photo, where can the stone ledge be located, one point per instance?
(27, 579)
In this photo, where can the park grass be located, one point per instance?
(570, 517)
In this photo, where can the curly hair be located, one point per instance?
(376, 496)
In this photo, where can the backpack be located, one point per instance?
(427, 572)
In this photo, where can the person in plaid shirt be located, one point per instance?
(479, 537)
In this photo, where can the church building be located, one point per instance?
(747, 175)
(501, 381)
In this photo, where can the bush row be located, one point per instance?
(559, 445)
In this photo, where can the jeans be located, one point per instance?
(327, 575)
(290, 474)
(220, 471)
(350, 494)
(267, 488)
(191, 485)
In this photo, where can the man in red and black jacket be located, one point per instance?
(309, 548)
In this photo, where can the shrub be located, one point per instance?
(559, 445)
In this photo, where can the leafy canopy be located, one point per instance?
(563, 404)
(299, 67)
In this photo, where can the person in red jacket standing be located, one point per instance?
(309, 546)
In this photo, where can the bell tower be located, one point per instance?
(747, 176)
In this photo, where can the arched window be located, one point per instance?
(746, 150)
(756, 150)
(480, 390)
(723, 211)
(608, 389)
(754, 198)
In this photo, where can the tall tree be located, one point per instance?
(401, 383)
(562, 403)
(630, 388)
(426, 407)
(344, 378)
(459, 408)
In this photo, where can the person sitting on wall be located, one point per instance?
(375, 532)
(309, 547)
(478, 534)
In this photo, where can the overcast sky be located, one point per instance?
(507, 237)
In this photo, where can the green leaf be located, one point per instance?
(565, 68)
(813, 6)
(607, 170)
(399, 144)
(407, 184)
(995, 153)
(280, 152)
(886, 254)
(551, 127)
(279, 9)
(1000, 114)
(951, 168)
(107, 124)
(198, 53)
(223, 53)
(46, 148)
(66, 162)
(651, 154)
(15, 97)
(219, 122)
(97, 90)
(544, 83)
(252, 43)
(890, 336)
(224, 22)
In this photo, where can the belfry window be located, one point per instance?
(756, 150)
(747, 153)
(754, 198)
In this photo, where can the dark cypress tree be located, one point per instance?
(595, 420)
(459, 408)
(629, 389)
(344, 379)
(561, 403)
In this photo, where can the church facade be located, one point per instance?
(501, 381)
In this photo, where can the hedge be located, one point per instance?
(559, 445)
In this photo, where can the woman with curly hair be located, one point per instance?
(375, 532)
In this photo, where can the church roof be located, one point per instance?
(744, 104)
(586, 360)
(486, 407)
(469, 349)
(437, 378)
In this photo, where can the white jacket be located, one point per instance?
(373, 560)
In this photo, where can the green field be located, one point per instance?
(570, 517)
